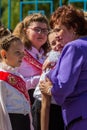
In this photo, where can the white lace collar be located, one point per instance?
(8, 68)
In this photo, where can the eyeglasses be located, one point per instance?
(40, 30)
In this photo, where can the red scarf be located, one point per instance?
(31, 60)
(15, 81)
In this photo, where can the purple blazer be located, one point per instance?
(69, 78)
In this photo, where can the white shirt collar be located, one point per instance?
(8, 68)
(37, 54)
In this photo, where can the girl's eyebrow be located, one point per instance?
(57, 29)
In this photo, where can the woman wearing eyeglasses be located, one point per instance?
(33, 32)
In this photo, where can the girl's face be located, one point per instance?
(37, 34)
(14, 55)
(54, 43)
(64, 35)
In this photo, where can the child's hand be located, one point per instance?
(46, 64)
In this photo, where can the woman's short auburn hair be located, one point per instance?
(69, 16)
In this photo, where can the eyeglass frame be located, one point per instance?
(40, 30)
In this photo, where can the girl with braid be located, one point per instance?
(14, 98)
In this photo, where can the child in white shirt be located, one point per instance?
(14, 98)
(47, 111)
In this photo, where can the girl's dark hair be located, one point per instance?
(4, 31)
(6, 41)
(50, 32)
(70, 17)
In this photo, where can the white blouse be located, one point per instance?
(53, 57)
(11, 100)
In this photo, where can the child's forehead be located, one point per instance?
(51, 36)
(36, 23)
(52, 33)
(16, 45)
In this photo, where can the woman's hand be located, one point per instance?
(45, 86)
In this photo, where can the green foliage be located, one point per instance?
(15, 13)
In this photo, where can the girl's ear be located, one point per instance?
(3, 54)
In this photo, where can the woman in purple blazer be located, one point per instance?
(67, 82)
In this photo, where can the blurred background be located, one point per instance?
(13, 11)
